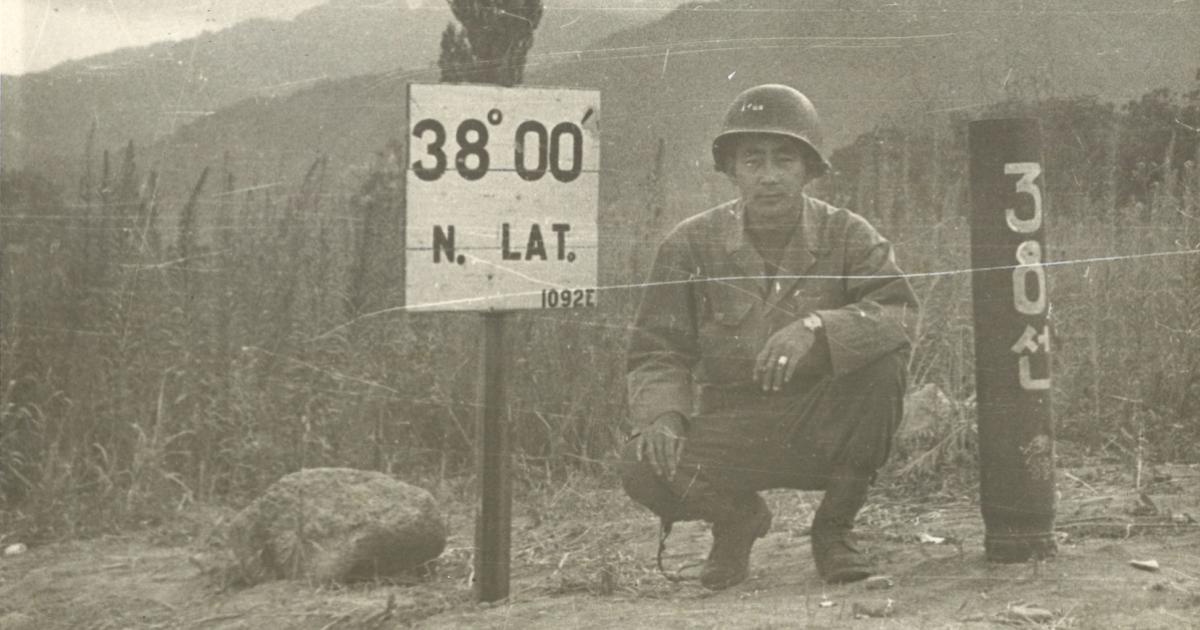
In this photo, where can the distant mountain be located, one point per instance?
(150, 92)
(863, 62)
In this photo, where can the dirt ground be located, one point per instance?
(583, 557)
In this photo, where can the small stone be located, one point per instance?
(15, 550)
(874, 609)
(1029, 614)
(879, 582)
(931, 540)
(1145, 565)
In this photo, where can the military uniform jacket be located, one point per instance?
(708, 307)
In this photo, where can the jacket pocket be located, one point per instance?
(729, 335)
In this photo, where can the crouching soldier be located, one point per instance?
(769, 350)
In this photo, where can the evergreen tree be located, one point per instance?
(492, 43)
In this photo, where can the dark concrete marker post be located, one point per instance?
(493, 524)
(1012, 340)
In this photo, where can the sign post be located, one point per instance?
(493, 523)
(1012, 340)
(501, 214)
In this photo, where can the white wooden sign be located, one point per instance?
(502, 194)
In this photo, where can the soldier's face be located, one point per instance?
(770, 173)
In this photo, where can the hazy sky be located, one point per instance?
(37, 34)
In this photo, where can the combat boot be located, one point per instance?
(838, 559)
(729, 560)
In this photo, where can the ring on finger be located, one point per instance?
(782, 360)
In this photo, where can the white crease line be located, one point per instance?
(462, 301)
(515, 273)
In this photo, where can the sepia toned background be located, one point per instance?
(200, 221)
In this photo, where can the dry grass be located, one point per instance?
(148, 366)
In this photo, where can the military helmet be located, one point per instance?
(776, 109)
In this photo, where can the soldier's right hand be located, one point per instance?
(662, 443)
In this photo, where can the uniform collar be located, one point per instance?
(797, 257)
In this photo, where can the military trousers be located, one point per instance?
(745, 440)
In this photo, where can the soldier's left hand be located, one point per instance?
(782, 355)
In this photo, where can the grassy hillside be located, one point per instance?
(193, 334)
(141, 94)
(160, 352)
(864, 63)
(869, 62)
(665, 85)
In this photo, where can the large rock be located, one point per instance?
(336, 525)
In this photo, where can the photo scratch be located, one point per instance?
(616, 313)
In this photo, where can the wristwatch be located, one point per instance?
(812, 322)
